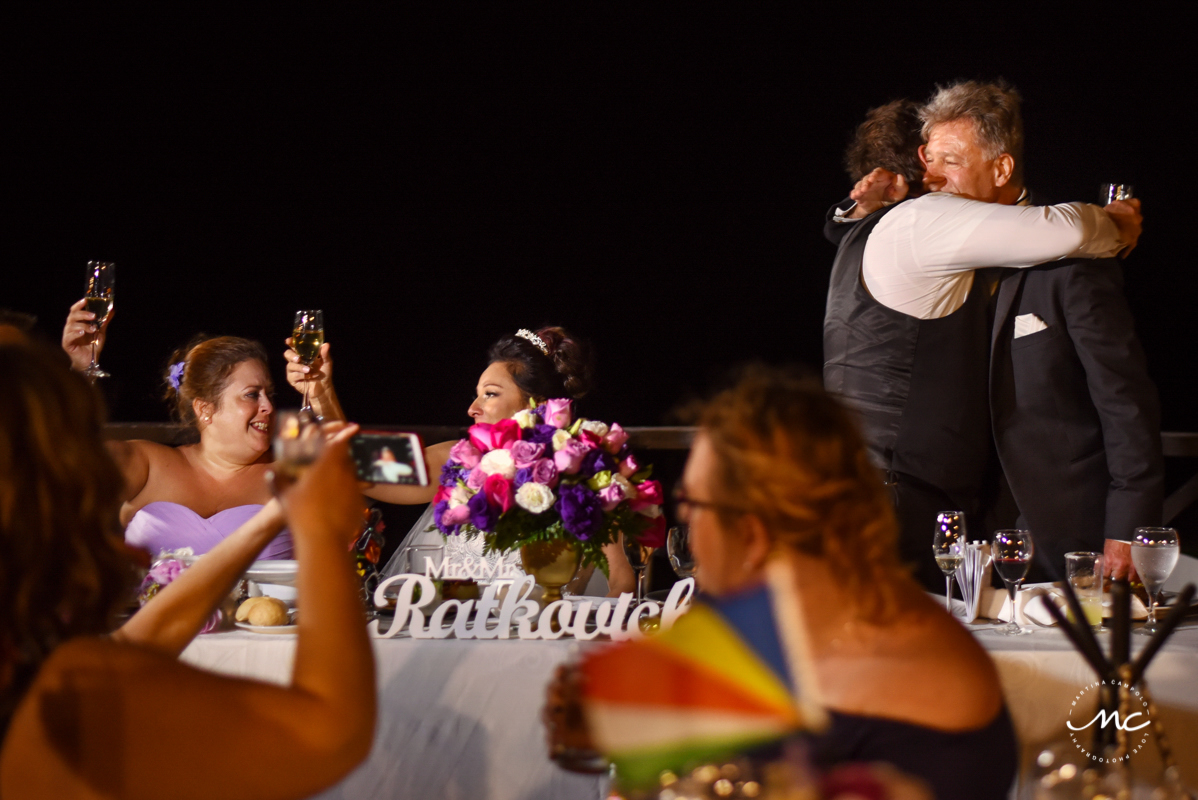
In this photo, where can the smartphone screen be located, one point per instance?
(394, 458)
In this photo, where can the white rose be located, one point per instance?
(459, 496)
(525, 418)
(625, 486)
(651, 511)
(560, 437)
(534, 497)
(596, 427)
(498, 462)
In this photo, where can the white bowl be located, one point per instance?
(279, 573)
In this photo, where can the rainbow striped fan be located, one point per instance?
(692, 694)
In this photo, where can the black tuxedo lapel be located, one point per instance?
(1008, 292)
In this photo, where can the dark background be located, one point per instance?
(656, 182)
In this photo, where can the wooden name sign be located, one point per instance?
(515, 608)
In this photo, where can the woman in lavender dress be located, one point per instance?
(199, 493)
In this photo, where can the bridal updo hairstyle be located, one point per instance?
(565, 371)
(64, 568)
(790, 454)
(207, 364)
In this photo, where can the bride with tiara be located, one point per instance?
(521, 367)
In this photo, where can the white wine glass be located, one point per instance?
(1013, 551)
(948, 548)
(1154, 553)
(307, 335)
(101, 284)
(638, 556)
(678, 547)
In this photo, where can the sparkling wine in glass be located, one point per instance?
(1110, 192)
(307, 336)
(638, 556)
(1013, 551)
(101, 283)
(678, 546)
(948, 548)
(1154, 553)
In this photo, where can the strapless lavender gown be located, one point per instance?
(168, 526)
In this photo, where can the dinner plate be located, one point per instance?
(281, 572)
(245, 626)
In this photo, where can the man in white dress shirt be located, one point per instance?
(908, 325)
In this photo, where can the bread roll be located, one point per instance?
(263, 611)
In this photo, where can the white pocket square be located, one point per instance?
(1027, 324)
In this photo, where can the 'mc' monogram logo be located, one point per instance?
(1131, 722)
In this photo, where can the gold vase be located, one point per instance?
(552, 564)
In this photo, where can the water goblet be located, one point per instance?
(101, 285)
(1013, 551)
(306, 338)
(1154, 553)
(948, 548)
(1083, 570)
(678, 546)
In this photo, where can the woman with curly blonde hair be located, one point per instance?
(794, 537)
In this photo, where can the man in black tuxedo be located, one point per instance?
(1076, 418)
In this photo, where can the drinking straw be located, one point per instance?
(1120, 622)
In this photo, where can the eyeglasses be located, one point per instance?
(687, 505)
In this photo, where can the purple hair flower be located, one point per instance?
(580, 510)
(175, 376)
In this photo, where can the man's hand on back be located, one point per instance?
(1128, 221)
(879, 188)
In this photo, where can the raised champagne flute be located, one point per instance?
(1013, 551)
(1110, 192)
(101, 283)
(306, 338)
(948, 548)
(638, 556)
(1154, 553)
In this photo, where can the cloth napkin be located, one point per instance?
(996, 604)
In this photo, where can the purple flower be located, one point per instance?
(482, 515)
(596, 461)
(544, 472)
(542, 434)
(476, 479)
(166, 571)
(451, 474)
(523, 476)
(175, 377)
(580, 510)
(540, 411)
(524, 453)
(438, 512)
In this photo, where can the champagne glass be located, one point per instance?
(638, 556)
(678, 546)
(1012, 557)
(1083, 570)
(1110, 192)
(306, 338)
(297, 443)
(1154, 553)
(101, 282)
(948, 547)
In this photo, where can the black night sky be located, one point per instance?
(655, 182)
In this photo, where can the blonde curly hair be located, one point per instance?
(790, 454)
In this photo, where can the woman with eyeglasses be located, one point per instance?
(778, 481)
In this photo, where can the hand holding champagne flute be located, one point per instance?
(306, 339)
(101, 283)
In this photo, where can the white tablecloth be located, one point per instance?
(461, 719)
(457, 719)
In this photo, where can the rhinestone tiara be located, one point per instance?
(525, 333)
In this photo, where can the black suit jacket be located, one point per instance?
(1076, 418)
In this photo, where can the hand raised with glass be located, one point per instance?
(78, 333)
(1129, 222)
(319, 379)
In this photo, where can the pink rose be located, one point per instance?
(525, 454)
(486, 436)
(459, 515)
(569, 458)
(557, 412)
(544, 472)
(615, 439)
(476, 479)
(647, 494)
(498, 490)
(655, 534)
(630, 466)
(166, 571)
(442, 494)
(465, 454)
(589, 438)
(611, 497)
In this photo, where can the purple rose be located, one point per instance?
(580, 510)
(166, 571)
(544, 472)
(465, 453)
(482, 514)
(611, 497)
(596, 461)
(542, 434)
(476, 479)
(525, 453)
(439, 518)
(569, 458)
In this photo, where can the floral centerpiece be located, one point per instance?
(169, 565)
(543, 476)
